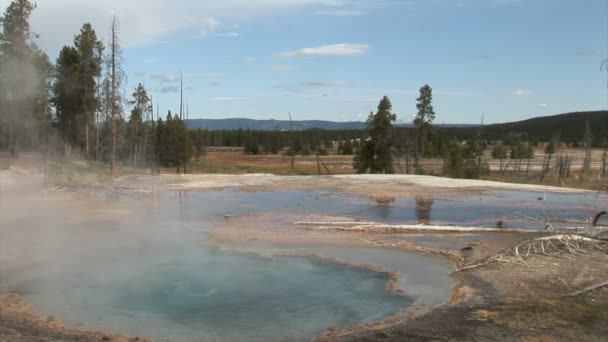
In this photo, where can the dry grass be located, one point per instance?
(234, 161)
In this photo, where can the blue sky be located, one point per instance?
(335, 59)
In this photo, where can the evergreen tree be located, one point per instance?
(376, 153)
(24, 77)
(89, 53)
(453, 159)
(138, 124)
(347, 148)
(423, 120)
(66, 95)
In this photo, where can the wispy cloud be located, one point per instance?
(522, 92)
(584, 52)
(227, 98)
(208, 25)
(152, 21)
(542, 105)
(334, 50)
(228, 34)
(334, 83)
(505, 2)
(454, 93)
(309, 87)
(165, 78)
(483, 57)
(340, 12)
(169, 89)
(151, 60)
(282, 68)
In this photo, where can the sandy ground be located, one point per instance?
(518, 302)
(375, 186)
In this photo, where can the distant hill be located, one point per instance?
(570, 127)
(270, 125)
(280, 125)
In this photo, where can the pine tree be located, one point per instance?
(376, 153)
(138, 124)
(66, 95)
(88, 47)
(423, 120)
(24, 77)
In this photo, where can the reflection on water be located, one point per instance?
(423, 209)
(516, 209)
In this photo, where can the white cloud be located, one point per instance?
(334, 50)
(150, 21)
(207, 25)
(522, 92)
(542, 105)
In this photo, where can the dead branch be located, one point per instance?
(589, 288)
(562, 244)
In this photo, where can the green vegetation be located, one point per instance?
(75, 108)
(376, 154)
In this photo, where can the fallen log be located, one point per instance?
(376, 227)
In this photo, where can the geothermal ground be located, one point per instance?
(391, 251)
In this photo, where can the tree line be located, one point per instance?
(78, 106)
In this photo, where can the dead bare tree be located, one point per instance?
(98, 110)
(114, 51)
(293, 144)
(587, 141)
(605, 159)
(564, 164)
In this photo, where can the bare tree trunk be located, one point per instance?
(186, 140)
(318, 163)
(293, 150)
(114, 98)
(605, 160)
(588, 141)
(86, 109)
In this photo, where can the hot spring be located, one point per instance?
(138, 264)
